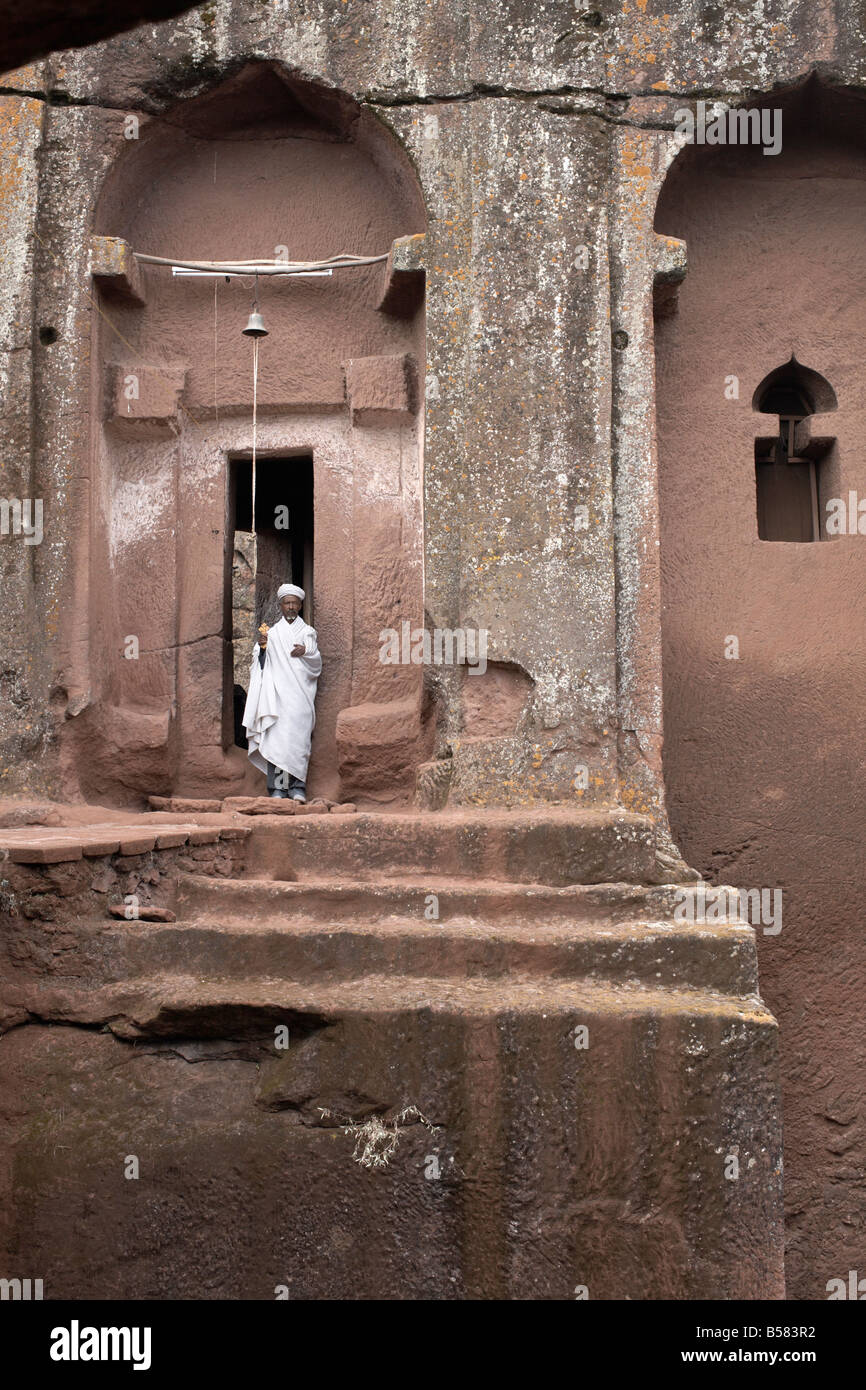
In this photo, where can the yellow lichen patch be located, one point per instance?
(634, 799)
(20, 121)
(22, 79)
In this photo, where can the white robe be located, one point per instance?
(280, 713)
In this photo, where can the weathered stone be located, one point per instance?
(260, 805)
(137, 844)
(432, 784)
(94, 847)
(184, 804)
(403, 282)
(115, 269)
(379, 745)
(47, 852)
(560, 507)
(37, 28)
(145, 912)
(103, 880)
(239, 804)
(27, 813)
(144, 403)
(380, 389)
(134, 861)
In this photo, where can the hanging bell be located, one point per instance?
(256, 326)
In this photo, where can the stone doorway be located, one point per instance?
(264, 165)
(278, 549)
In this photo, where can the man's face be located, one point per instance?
(291, 606)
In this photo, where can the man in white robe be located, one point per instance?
(280, 712)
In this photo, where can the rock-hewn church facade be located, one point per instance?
(584, 412)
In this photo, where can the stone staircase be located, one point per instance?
(388, 906)
(517, 979)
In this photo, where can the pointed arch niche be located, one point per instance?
(267, 165)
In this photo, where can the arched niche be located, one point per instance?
(764, 650)
(792, 388)
(268, 164)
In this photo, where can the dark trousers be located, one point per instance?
(280, 781)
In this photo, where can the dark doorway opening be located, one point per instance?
(278, 550)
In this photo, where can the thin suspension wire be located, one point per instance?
(215, 351)
(255, 412)
(342, 262)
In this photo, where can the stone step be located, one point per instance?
(337, 901)
(52, 845)
(661, 956)
(166, 1006)
(553, 846)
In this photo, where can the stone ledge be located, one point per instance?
(44, 845)
(143, 401)
(58, 852)
(186, 805)
(62, 880)
(404, 277)
(115, 269)
(137, 844)
(382, 390)
(276, 806)
(148, 913)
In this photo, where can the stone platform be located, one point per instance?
(567, 1075)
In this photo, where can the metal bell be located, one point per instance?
(256, 326)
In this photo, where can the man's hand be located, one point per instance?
(299, 649)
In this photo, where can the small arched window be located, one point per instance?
(787, 464)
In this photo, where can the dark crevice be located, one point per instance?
(480, 91)
(152, 651)
(247, 1033)
(102, 1025)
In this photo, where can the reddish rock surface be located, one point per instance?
(142, 914)
(761, 755)
(183, 803)
(407, 963)
(466, 433)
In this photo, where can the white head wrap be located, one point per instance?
(289, 589)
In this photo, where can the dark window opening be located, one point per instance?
(787, 487)
(788, 465)
(277, 551)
